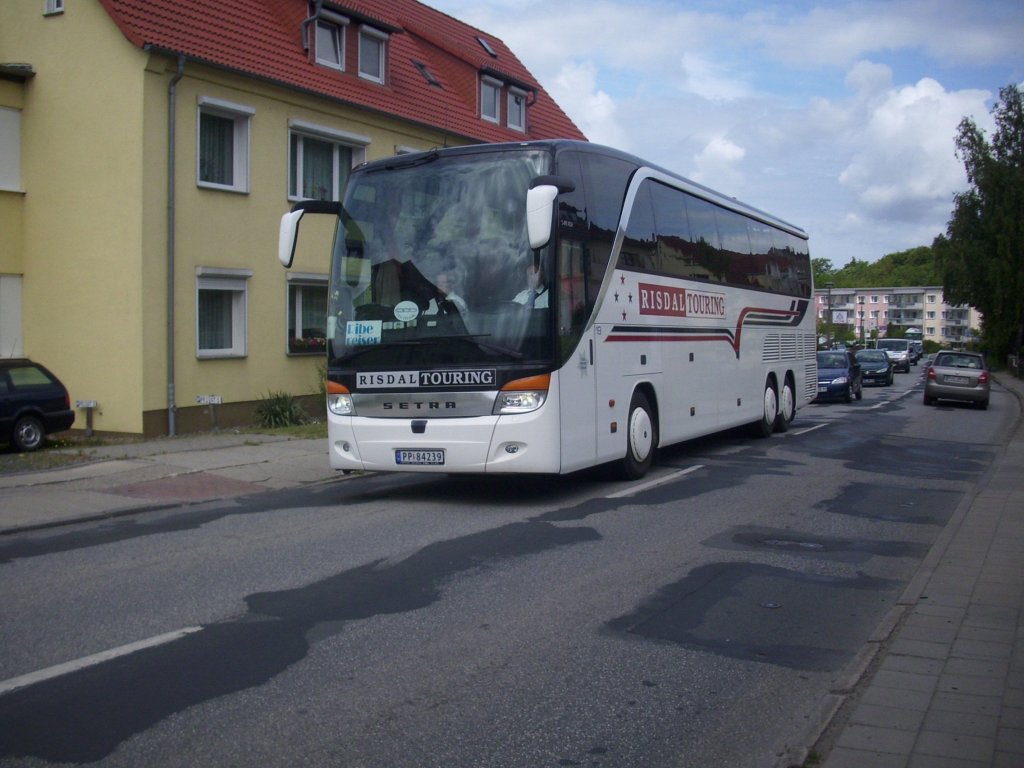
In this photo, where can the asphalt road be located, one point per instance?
(696, 618)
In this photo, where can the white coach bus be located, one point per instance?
(547, 306)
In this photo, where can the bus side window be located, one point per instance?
(703, 247)
(673, 231)
(639, 247)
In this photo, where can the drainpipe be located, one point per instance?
(172, 101)
(318, 7)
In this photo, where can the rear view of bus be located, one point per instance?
(476, 295)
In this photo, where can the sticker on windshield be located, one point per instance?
(361, 332)
(406, 311)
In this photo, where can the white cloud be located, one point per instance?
(718, 163)
(903, 166)
(575, 89)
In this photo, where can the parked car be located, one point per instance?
(898, 351)
(839, 376)
(33, 404)
(957, 376)
(875, 366)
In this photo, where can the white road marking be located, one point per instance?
(89, 661)
(798, 432)
(633, 489)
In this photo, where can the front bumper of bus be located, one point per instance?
(506, 444)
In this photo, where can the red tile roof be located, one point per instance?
(264, 39)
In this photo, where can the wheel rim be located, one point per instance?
(641, 435)
(29, 435)
(771, 405)
(788, 403)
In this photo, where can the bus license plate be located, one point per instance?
(404, 456)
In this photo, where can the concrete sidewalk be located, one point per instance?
(189, 469)
(945, 682)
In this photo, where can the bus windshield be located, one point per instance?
(432, 264)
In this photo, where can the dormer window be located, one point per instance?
(372, 45)
(516, 109)
(490, 102)
(330, 40)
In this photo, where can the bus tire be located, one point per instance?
(641, 438)
(787, 407)
(764, 426)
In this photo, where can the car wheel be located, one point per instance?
(28, 433)
(928, 400)
(983, 404)
(787, 407)
(641, 438)
(889, 382)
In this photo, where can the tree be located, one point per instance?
(823, 271)
(981, 256)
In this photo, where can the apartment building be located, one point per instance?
(148, 149)
(877, 312)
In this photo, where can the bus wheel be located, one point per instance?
(764, 426)
(641, 438)
(787, 407)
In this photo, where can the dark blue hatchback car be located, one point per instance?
(33, 403)
(839, 376)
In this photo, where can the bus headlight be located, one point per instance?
(339, 400)
(522, 395)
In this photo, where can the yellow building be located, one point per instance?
(148, 149)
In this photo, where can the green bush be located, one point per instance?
(279, 409)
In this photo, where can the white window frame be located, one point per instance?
(10, 149)
(382, 39)
(53, 7)
(294, 312)
(490, 84)
(515, 94)
(11, 342)
(355, 142)
(236, 281)
(338, 26)
(241, 117)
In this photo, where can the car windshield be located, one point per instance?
(958, 361)
(832, 360)
(872, 356)
(894, 344)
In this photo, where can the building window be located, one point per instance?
(371, 54)
(52, 7)
(319, 160)
(874, 299)
(10, 316)
(490, 104)
(10, 149)
(330, 40)
(307, 314)
(223, 145)
(516, 109)
(221, 312)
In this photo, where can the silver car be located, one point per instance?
(957, 376)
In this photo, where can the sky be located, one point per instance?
(839, 117)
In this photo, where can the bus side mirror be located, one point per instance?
(289, 232)
(288, 237)
(540, 211)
